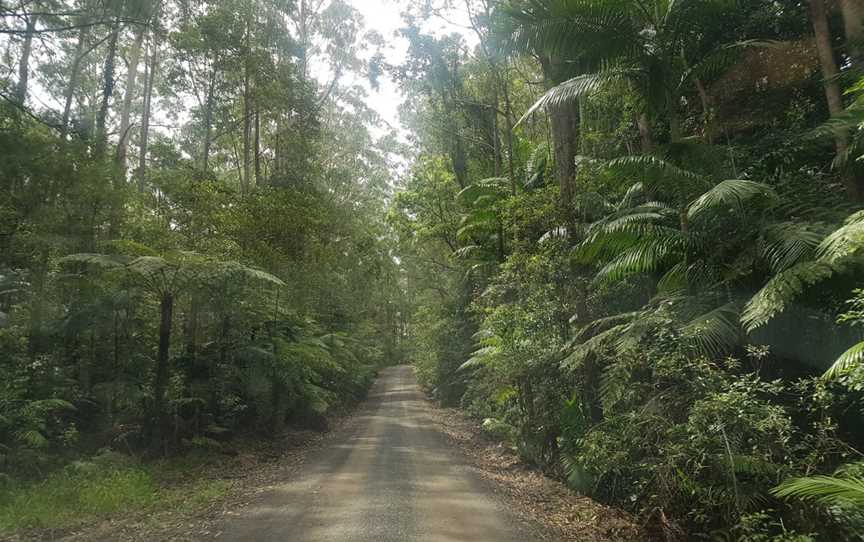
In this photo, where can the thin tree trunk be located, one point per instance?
(257, 146)
(208, 119)
(707, 111)
(24, 63)
(508, 114)
(128, 97)
(159, 416)
(303, 32)
(833, 94)
(72, 85)
(247, 120)
(853, 26)
(145, 116)
(107, 89)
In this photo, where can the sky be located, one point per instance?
(385, 16)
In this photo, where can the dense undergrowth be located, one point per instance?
(192, 247)
(648, 284)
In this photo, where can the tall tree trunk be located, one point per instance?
(247, 116)
(564, 122)
(128, 97)
(24, 63)
(853, 27)
(72, 85)
(208, 118)
(508, 117)
(645, 139)
(159, 417)
(149, 78)
(833, 95)
(257, 145)
(101, 136)
(303, 45)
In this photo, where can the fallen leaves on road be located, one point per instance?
(533, 496)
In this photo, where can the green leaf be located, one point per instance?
(732, 194)
(826, 490)
(851, 358)
(781, 290)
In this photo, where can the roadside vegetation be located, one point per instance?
(633, 239)
(626, 236)
(192, 243)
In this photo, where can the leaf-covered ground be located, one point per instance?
(534, 496)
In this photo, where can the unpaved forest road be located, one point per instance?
(393, 477)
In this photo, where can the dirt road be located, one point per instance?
(391, 477)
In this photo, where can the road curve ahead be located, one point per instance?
(392, 477)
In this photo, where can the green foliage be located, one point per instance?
(653, 327)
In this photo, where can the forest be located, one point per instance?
(625, 236)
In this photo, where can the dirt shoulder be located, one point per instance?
(242, 471)
(565, 515)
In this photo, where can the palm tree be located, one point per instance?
(659, 49)
(682, 229)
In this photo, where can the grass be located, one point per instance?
(87, 491)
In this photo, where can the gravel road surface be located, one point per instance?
(391, 477)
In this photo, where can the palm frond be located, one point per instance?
(569, 91)
(788, 243)
(782, 289)
(598, 342)
(647, 256)
(716, 332)
(826, 490)
(844, 242)
(853, 357)
(730, 194)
